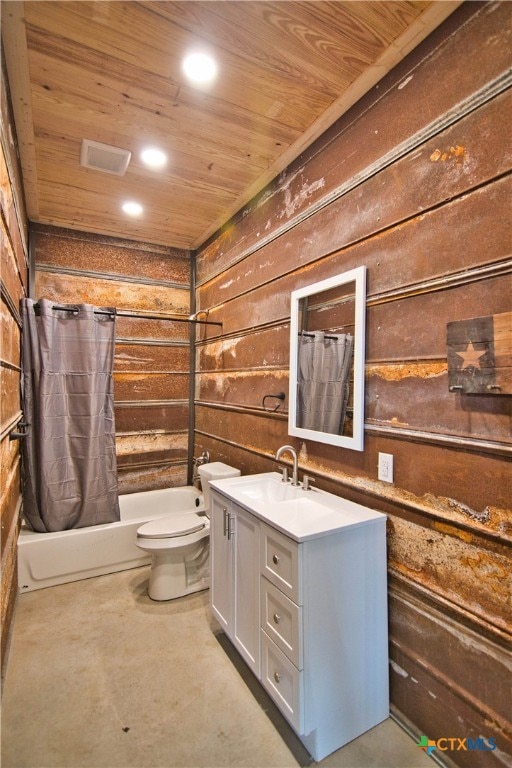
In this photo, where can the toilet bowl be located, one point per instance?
(179, 544)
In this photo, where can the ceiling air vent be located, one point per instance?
(102, 157)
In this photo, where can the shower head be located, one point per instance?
(199, 312)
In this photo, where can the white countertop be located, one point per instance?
(299, 514)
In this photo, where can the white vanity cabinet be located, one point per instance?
(234, 589)
(324, 633)
(319, 584)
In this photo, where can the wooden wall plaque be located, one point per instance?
(480, 355)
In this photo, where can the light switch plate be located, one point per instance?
(386, 467)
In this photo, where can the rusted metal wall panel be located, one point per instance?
(10, 396)
(431, 476)
(169, 358)
(9, 335)
(460, 570)
(144, 385)
(122, 295)
(13, 285)
(399, 326)
(265, 305)
(247, 387)
(149, 416)
(11, 269)
(129, 328)
(394, 392)
(416, 371)
(117, 257)
(165, 475)
(406, 184)
(392, 112)
(155, 448)
(373, 209)
(426, 641)
(152, 358)
(10, 497)
(261, 347)
(248, 460)
(436, 236)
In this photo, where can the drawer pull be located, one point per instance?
(277, 677)
(276, 618)
(275, 559)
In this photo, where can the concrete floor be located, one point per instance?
(101, 676)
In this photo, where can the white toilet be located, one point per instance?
(179, 544)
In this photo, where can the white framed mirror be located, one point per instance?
(327, 359)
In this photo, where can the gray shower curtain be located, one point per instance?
(324, 365)
(69, 457)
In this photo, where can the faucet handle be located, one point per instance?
(285, 475)
(306, 480)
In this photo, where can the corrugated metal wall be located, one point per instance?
(13, 286)
(152, 357)
(413, 183)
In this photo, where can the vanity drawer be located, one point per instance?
(282, 621)
(280, 562)
(282, 681)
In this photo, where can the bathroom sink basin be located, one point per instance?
(268, 489)
(306, 504)
(301, 511)
(290, 509)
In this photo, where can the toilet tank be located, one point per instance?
(216, 470)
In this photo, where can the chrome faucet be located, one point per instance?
(290, 449)
(204, 458)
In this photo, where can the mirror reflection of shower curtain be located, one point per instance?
(69, 456)
(324, 366)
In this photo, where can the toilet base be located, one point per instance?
(178, 572)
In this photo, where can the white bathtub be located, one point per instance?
(48, 559)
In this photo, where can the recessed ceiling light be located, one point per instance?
(153, 157)
(132, 208)
(199, 67)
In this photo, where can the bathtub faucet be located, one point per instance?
(204, 458)
(198, 461)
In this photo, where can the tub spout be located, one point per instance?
(291, 450)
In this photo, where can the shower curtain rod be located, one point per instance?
(118, 313)
(312, 335)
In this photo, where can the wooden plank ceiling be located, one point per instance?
(111, 72)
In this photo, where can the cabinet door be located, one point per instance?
(246, 621)
(221, 577)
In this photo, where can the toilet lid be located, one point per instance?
(171, 525)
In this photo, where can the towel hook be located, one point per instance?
(14, 435)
